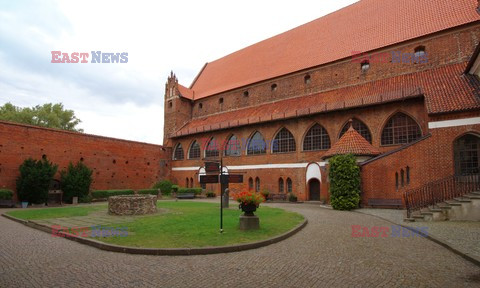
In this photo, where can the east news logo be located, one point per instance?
(97, 57)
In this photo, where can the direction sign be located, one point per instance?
(208, 179)
(232, 178)
(212, 167)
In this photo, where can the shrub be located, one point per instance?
(292, 197)
(34, 180)
(175, 188)
(165, 186)
(85, 199)
(148, 191)
(100, 194)
(6, 194)
(75, 181)
(211, 194)
(344, 182)
(265, 193)
(196, 191)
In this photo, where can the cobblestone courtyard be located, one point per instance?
(323, 254)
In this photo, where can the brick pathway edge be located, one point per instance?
(163, 251)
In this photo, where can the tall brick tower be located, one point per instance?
(177, 108)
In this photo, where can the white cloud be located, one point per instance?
(126, 100)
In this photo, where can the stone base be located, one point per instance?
(249, 222)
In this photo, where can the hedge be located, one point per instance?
(99, 194)
(165, 186)
(344, 182)
(148, 191)
(196, 191)
(6, 194)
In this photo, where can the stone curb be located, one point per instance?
(164, 251)
(464, 255)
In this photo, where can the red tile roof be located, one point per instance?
(185, 92)
(446, 89)
(364, 26)
(354, 143)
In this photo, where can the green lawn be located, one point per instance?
(185, 224)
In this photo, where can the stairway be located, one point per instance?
(465, 208)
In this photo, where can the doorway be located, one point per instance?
(314, 190)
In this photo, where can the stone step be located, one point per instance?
(462, 200)
(435, 210)
(446, 207)
(452, 203)
(409, 219)
(417, 216)
(427, 213)
(476, 193)
(472, 196)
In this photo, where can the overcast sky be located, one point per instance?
(125, 100)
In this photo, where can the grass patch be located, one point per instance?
(187, 224)
(57, 212)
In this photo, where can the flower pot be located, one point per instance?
(24, 204)
(248, 209)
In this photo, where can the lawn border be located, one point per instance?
(164, 251)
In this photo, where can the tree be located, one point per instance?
(344, 177)
(48, 115)
(34, 180)
(76, 181)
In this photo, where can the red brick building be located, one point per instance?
(273, 110)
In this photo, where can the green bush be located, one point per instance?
(175, 188)
(211, 194)
(101, 194)
(85, 199)
(196, 191)
(75, 181)
(165, 186)
(265, 193)
(148, 191)
(6, 194)
(34, 180)
(292, 197)
(344, 182)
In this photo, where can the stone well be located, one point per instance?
(132, 204)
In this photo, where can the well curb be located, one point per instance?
(464, 255)
(162, 251)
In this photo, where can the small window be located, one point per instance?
(245, 93)
(289, 185)
(191, 182)
(420, 55)
(220, 101)
(365, 66)
(250, 183)
(280, 186)
(419, 51)
(408, 175)
(200, 106)
(307, 79)
(186, 183)
(170, 104)
(257, 184)
(274, 87)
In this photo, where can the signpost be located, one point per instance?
(216, 174)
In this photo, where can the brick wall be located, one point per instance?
(116, 164)
(428, 160)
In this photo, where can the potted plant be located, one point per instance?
(292, 197)
(265, 193)
(249, 201)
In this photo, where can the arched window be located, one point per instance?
(467, 151)
(283, 142)
(186, 183)
(361, 128)
(211, 150)
(250, 183)
(289, 185)
(396, 180)
(316, 139)
(280, 185)
(256, 145)
(233, 146)
(194, 152)
(257, 184)
(400, 129)
(178, 154)
(191, 182)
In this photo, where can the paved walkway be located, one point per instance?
(323, 254)
(463, 236)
